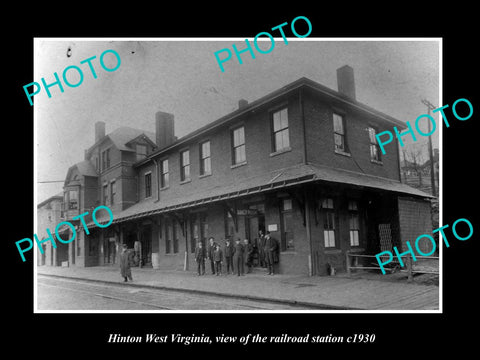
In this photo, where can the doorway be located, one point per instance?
(255, 221)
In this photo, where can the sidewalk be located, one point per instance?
(341, 292)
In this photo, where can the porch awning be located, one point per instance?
(282, 178)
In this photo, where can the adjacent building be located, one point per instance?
(301, 162)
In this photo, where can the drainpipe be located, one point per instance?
(158, 180)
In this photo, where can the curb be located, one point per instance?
(214, 293)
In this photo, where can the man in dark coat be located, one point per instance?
(229, 251)
(271, 247)
(210, 249)
(125, 261)
(261, 248)
(238, 257)
(248, 254)
(218, 258)
(200, 258)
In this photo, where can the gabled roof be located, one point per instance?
(122, 136)
(58, 196)
(84, 168)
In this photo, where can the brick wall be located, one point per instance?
(415, 219)
(320, 139)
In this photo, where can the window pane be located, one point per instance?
(278, 141)
(186, 158)
(339, 142)
(206, 149)
(206, 166)
(240, 154)
(371, 134)
(354, 238)
(238, 136)
(286, 139)
(165, 166)
(284, 118)
(276, 122)
(337, 124)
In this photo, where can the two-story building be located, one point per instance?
(301, 162)
(105, 177)
(49, 214)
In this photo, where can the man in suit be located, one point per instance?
(211, 248)
(125, 262)
(238, 257)
(200, 258)
(271, 247)
(248, 253)
(229, 251)
(261, 248)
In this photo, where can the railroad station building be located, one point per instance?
(301, 162)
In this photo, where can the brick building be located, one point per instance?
(301, 162)
(49, 214)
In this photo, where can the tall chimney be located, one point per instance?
(346, 81)
(164, 129)
(242, 103)
(99, 130)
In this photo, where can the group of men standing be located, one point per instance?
(236, 256)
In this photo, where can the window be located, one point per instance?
(141, 151)
(339, 133)
(281, 140)
(113, 191)
(72, 199)
(328, 223)
(287, 224)
(105, 194)
(105, 159)
(205, 163)
(185, 165)
(238, 146)
(354, 223)
(164, 177)
(374, 147)
(148, 185)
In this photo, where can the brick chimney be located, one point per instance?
(164, 129)
(99, 130)
(346, 81)
(242, 103)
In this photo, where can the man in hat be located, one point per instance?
(271, 247)
(125, 260)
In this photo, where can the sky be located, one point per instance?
(182, 77)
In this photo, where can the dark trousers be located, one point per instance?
(201, 267)
(239, 264)
(261, 257)
(269, 261)
(218, 267)
(212, 265)
(229, 261)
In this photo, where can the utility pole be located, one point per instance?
(430, 107)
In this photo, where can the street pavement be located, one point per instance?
(340, 292)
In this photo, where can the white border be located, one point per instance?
(120, 39)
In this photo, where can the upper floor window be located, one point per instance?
(105, 159)
(105, 194)
(328, 222)
(205, 162)
(148, 185)
(73, 199)
(339, 133)
(113, 191)
(141, 151)
(185, 165)
(238, 145)
(281, 139)
(164, 174)
(374, 147)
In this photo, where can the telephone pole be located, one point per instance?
(430, 107)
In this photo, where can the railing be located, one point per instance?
(396, 265)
